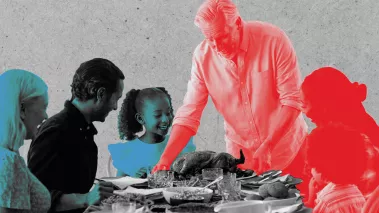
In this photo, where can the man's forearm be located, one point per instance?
(71, 201)
(287, 116)
(179, 138)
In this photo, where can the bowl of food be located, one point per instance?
(184, 198)
(276, 194)
(186, 192)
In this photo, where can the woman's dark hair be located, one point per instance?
(94, 74)
(330, 86)
(338, 153)
(128, 126)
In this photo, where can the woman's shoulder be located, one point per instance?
(7, 156)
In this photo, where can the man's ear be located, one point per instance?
(139, 118)
(239, 22)
(22, 111)
(101, 93)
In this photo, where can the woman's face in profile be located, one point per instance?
(33, 114)
(311, 110)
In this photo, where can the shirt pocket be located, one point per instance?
(262, 81)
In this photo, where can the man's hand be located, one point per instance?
(262, 159)
(101, 191)
(160, 167)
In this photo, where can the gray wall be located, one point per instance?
(152, 42)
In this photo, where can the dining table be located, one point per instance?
(161, 206)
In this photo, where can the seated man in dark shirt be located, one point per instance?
(63, 155)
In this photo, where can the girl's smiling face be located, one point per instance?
(157, 115)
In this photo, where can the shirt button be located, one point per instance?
(245, 102)
(241, 82)
(80, 129)
(251, 122)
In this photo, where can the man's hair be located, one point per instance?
(210, 10)
(93, 75)
(17, 87)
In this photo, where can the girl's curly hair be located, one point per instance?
(335, 150)
(128, 126)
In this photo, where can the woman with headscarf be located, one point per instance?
(24, 99)
(329, 97)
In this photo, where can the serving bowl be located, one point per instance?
(168, 193)
(177, 201)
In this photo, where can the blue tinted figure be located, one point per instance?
(148, 112)
(24, 98)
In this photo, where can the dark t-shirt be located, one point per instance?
(63, 155)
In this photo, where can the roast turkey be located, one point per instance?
(193, 162)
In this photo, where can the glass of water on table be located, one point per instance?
(229, 188)
(160, 179)
(124, 207)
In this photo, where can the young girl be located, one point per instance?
(150, 108)
(336, 155)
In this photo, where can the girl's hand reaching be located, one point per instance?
(142, 173)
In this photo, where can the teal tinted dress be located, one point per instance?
(19, 188)
(133, 156)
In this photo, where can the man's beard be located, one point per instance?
(229, 52)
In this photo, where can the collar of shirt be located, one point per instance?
(80, 121)
(245, 37)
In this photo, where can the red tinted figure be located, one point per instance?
(336, 154)
(250, 71)
(329, 97)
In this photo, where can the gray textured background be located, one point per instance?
(152, 42)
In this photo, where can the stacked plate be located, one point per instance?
(255, 181)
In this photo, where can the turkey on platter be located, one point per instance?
(193, 162)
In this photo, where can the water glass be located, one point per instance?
(237, 186)
(150, 181)
(160, 179)
(124, 207)
(229, 188)
(211, 173)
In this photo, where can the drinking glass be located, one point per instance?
(124, 207)
(151, 181)
(237, 186)
(211, 173)
(160, 179)
(229, 188)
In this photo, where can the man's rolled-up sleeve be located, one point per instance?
(195, 99)
(288, 74)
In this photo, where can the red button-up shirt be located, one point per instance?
(248, 94)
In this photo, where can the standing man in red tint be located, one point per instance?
(250, 71)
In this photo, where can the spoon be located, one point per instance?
(213, 182)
